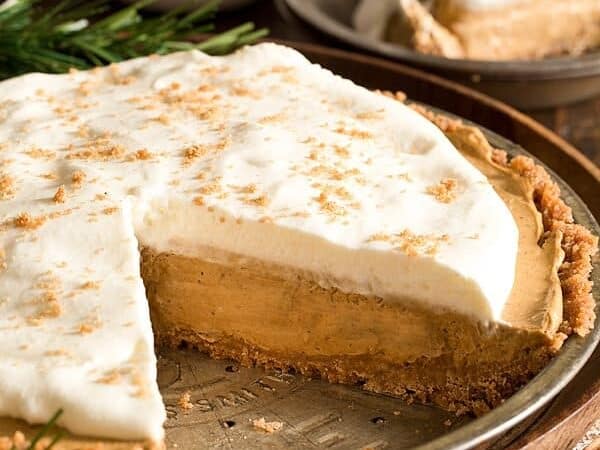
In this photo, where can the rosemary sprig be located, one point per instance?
(44, 431)
(80, 34)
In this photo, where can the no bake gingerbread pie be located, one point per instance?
(261, 208)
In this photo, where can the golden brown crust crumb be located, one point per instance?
(444, 191)
(85, 328)
(275, 69)
(248, 189)
(274, 118)
(7, 187)
(340, 151)
(368, 115)
(50, 308)
(162, 118)
(193, 152)
(398, 95)
(98, 153)
(261, 200)
(110, 210)
(77, 178)
(141, 388)
(329, 206)
(91, 285)
(26, 221)
(197, 151)
(140, 155)
(125, 80)
(410, 243)
(49, 176)
(211, 188)
(40, 153)
(17, 442)
(59, 196)
(268, 427)
(57, 352)
(243, 91)
(50, 283)
(185, 401)
(352, 132)
(83, 131)
(110, 377)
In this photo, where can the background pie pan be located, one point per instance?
(525, 84)
(320, 415)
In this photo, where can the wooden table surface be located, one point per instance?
(578, 123)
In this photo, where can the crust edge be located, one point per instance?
(578, 243)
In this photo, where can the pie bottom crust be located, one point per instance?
(486, 367)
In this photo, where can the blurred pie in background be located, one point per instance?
(484, 29)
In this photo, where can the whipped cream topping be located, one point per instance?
(261, 154)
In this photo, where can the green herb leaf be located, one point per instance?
(79, 34)
(45, 430)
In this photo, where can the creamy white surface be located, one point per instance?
(269, 119)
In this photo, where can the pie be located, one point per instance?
(485, 29)
(260, 208)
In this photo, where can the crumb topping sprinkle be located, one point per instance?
(444, 191)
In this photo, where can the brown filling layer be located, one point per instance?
(268, 317)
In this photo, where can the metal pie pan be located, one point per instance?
(316, 414)
(525, 84)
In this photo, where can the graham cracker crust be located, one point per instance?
(578, 243)
(426, 381)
